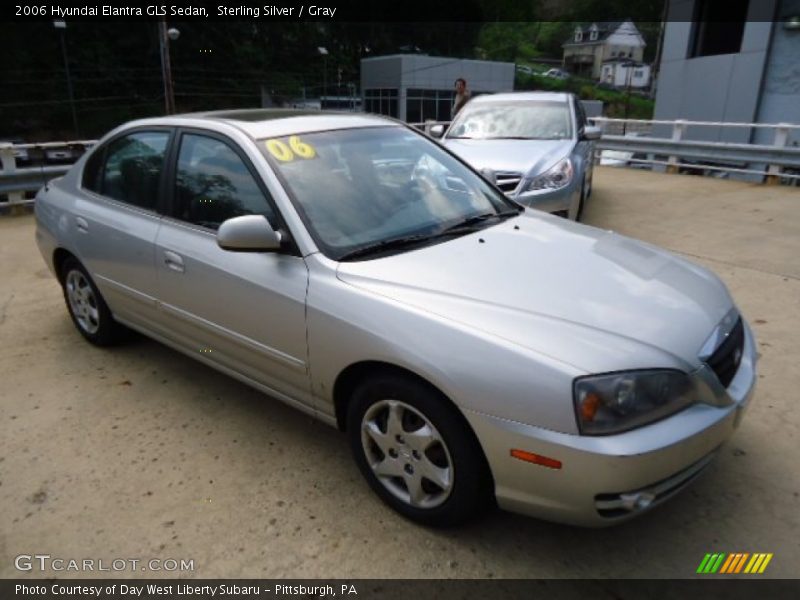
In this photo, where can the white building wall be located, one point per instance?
(617, 75)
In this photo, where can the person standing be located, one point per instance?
(462, 96)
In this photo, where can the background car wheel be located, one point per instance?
(86, 306)
(417, 452)
(581, 203)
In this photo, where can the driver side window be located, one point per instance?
(213, 184)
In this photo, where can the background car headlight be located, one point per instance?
(617, 402)
(556, 177)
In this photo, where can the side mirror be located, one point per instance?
(250, 233)
(490, 175)
(591, 133)
(436, 131)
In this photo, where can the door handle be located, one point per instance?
(173, 261)
(82, 224)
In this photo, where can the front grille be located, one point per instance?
(726, 358)
(507, 181)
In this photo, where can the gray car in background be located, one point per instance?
(472, 350)
(536, 146)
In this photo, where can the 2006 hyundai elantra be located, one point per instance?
(472, 350)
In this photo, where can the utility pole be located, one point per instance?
(164, 37)
(629, 66)
(324, 53)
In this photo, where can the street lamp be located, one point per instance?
(164, 37)
(61, 25)
(629, 67)
(324, 52)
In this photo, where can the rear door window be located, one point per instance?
(133, 167)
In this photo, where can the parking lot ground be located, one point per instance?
(139, 452)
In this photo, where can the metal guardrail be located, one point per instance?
(28, 180)
(671, 153)
(711, 156)
(16, 181)
(714, 152)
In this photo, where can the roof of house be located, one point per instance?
(604, 30)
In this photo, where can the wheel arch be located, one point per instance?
(60, 255)
(356, 373)
(353, 375)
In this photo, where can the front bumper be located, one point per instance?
(608, 479)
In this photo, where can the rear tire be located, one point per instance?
(88, 310)
(417, 452)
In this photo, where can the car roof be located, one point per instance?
(523, 96)
(262, 123)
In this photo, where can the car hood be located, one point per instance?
(587, 297)
(520, 156)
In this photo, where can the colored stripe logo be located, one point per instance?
(734, 563)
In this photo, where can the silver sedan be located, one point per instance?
(474, 351)
(536, 146)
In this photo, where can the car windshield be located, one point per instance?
(530, 120)
(383, 188)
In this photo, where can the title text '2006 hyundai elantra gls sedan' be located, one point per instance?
(472, 350)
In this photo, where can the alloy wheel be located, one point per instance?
(82, 301)
(407, 454)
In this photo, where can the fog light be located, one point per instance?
(637, 501)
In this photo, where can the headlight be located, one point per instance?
(617, 402)
(556, 177)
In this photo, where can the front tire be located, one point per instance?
(417, 452)
(86, 306)
(581, 203)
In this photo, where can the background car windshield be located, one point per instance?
(535, 120)
(358, 187)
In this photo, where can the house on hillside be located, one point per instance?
(592, 45)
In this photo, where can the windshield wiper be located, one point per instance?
(470, 221)
(390, 244)
(511, 137)
(464, 226)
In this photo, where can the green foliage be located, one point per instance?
(614, 101)
(598, 10)
(509, 42)
(550, 35)
(116, 68)
(522, 41)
